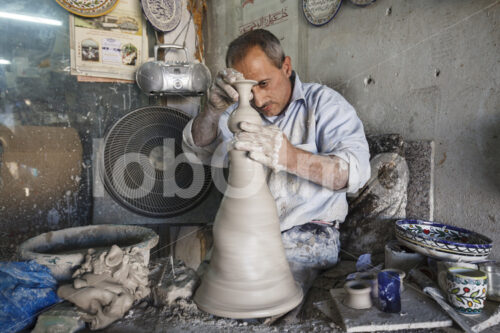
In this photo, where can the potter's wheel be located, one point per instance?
(251, 311)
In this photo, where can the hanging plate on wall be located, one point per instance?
(362, 3)
(88, 8)
(320, 12)
(164, 15)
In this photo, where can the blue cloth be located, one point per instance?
(318, 120)
(364, 262)
(25, 289)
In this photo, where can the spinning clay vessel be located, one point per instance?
(248, 275)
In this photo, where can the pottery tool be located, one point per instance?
(431, 289)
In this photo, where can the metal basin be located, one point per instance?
(62, 251)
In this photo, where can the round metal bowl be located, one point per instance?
(443, 241)
(62, 251)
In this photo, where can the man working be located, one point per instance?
(310, 137)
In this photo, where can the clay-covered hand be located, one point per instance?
(223, 94)
(265, 144)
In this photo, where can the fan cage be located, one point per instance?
(133, 167)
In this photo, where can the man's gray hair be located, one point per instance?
(259, 37)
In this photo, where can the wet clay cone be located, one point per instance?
(248, 276)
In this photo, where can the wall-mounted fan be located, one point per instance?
(141, 175)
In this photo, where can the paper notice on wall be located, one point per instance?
(111, 51)
(109, 46)
(278, 16)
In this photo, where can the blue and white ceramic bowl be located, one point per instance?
(443, 241)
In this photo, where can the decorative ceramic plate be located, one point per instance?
(319, 12)
(362, 3)
(443, 241)
(88, 8)
(164, 15)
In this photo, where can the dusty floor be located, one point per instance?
(184, 316)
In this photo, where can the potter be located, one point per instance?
(308, 138)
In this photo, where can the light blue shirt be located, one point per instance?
(318, 120)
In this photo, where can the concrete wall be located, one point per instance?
(434, 75)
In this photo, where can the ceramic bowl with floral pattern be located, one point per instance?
(443, 241)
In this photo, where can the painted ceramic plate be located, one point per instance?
(164, 15)
(362, 3)
(319, 12)
(88, 8)
(443, 241)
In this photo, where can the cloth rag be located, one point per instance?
(26, 288)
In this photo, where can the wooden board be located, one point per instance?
(417, 311)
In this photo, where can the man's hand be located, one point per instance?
(270, 147)
(222, 94)
(265, 144)
(220, 97)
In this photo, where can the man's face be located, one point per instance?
(272, 93)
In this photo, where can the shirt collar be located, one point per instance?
(297, 92)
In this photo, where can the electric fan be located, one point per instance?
(144, 172)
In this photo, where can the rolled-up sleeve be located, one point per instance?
(205, 153)
(213, 154)
(340, 132)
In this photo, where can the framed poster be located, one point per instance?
(109, 46)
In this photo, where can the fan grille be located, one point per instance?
(142, 166)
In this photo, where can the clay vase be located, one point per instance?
(358, 294)
(248, 275)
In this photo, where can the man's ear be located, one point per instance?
(287, 66)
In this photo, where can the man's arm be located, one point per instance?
(342, 162)
(331, 171)
(204, 129)
(269, 146)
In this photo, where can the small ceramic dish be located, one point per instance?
(443, 241)
(88, 8)
(319, 13)
(362, 3)
(163, 15)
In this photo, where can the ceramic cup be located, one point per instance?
(492, 270)
(357, 294)
(401, 274)
(442, 271)
(466, 288)
(389, 291)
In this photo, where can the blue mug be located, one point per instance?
(389, 291)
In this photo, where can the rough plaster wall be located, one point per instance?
(435, 76)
